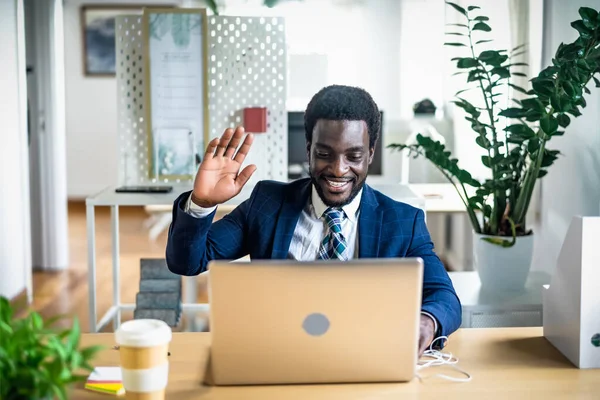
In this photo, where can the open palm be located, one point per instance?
(219, 177)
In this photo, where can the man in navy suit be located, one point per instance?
(334, 214)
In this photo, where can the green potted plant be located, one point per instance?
(515, 139)
(36, 361)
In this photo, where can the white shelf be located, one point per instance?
(486, 308)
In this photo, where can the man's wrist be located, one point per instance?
(199, 202)
(435, 323)
(196, 210)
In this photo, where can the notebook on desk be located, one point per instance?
(288, 322)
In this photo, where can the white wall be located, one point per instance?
(91, 105)
(15, 241)
(572, 186)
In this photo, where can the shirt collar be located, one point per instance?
(350, 209)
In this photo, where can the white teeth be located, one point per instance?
(337, 184)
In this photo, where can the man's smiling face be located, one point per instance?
(339, 157)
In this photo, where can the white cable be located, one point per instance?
(432, 358)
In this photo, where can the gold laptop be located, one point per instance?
(286, 322)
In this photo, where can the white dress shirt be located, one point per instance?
(312, 228)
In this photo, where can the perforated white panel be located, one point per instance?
(132, 138)
(246, 68)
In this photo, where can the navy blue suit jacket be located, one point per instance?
(263, 226)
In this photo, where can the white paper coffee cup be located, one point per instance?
(144, 348)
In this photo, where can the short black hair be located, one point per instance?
(343, 103)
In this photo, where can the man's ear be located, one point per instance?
(308, 151)
(371, 153)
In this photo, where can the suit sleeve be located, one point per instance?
(439, 297)
(193, 242)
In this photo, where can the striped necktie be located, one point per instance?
(334, 244)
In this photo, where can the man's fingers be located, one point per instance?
(244, 176)
(243, 151)
(224, 142)
(210, 149)
(235, 142)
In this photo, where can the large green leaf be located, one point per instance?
(468, 107)
(513, 112)
(549, 157)
(485, 160)
(569, 88)
(483, 142)
(533, 104)
(482, 26)
(594, 54)
(590, 15)
(543, 87)
(583, 30)
(492, 57)
(560, 103)
(533, 145)
(476, 75)
(533, 115)
(457, 8)
(549, 124)
(467, 62)
(520, 130)
(501, 72)
(563, 120)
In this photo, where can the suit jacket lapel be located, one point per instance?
(295, 200)
(369, 225)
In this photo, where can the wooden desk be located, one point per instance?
(505, 363)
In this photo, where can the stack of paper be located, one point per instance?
(106, 380)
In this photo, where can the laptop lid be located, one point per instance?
(283, 321)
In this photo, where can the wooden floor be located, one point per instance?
(66, 292)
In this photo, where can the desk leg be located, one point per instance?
(114, 214)
(91, 238)
(191, 297)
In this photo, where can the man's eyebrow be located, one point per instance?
(348, 150)
(355, 149)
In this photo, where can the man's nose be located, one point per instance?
(340, 167)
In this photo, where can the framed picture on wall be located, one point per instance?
(98, 35)
(175, 48)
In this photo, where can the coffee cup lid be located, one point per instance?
(143, 333)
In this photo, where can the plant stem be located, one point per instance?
(528, 185)
(498, 195)
(470, 212)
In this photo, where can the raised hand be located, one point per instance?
(219, 178)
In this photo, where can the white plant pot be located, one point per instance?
(502, 268)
